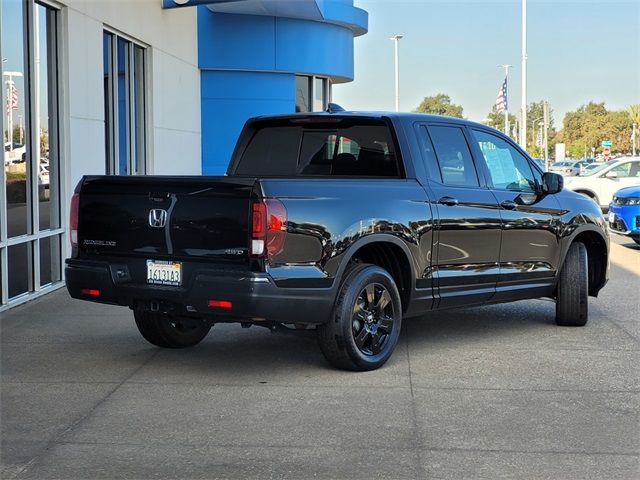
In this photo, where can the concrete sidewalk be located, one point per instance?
(492, 392)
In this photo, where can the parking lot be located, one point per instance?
(492, 392)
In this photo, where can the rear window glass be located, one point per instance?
(360, 149)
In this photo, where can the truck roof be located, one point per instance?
(401, 116)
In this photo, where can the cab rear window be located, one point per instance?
(362, 148)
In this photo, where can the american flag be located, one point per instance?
(12, 101)
(501, 101)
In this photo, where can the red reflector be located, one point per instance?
(94, 292)
(220, 304)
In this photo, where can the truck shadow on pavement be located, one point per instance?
(235, 354)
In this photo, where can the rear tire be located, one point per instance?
(572, 304)
(167, 331)
(366, 322)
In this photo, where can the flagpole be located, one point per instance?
(506, 100)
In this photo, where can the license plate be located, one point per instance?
(612, 217)
(160, 272)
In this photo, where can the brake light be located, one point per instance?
(73, 219)
(269, 228)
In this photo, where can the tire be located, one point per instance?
(362, 333)
(637, 240)
(166, 331)
(572, 305)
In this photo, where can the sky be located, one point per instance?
(578, 51)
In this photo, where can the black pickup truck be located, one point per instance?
(345, 221)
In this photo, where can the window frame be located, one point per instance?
(137, 110)
(477, 152)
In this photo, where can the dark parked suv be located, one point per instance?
(346, 221)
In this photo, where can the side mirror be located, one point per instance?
(611, 174)
(552, 183)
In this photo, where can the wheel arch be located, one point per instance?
(389, 253)
(597, 246)
(589, 193)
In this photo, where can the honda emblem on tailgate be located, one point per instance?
(157, 218)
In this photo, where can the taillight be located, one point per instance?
(73, 219)
(268, 228)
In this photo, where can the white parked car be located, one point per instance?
(600, 183)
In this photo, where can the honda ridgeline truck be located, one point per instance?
(344, 221)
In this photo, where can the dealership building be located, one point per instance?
(131, 87)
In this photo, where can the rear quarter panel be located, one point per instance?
(326, 217)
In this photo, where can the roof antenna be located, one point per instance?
(334, 108)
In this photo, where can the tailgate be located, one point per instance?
(181, 218)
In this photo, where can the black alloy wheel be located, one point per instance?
(365, 326)
(373, 318)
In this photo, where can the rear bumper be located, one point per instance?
(254, 296)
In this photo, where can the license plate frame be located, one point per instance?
(164, 272)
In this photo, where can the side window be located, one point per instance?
(508, 168)
(629, 169)
(428, 154)
(454, 157)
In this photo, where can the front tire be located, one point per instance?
(168, 331)
(365, 326)
(572, 305)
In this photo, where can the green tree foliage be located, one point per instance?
(535, 116)
(440, 104)
(496, 120)
(590, 124)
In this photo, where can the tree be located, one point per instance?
(535, 117)
(590, 124)
(496, 120)
(440, 104)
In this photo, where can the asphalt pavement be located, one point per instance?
(491, 392)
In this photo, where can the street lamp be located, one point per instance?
(523, 106)
(396, 40)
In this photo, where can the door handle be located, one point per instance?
(509, 205)
(449, 201)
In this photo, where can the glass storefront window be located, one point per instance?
(312, 93)
(320, 100)
(303, 94)
(30, 219)
(14, 135)
(46, 108)
(125, 105)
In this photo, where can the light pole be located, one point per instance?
(396, 40)
(545, 115)
(523, 106)
(506, 102)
